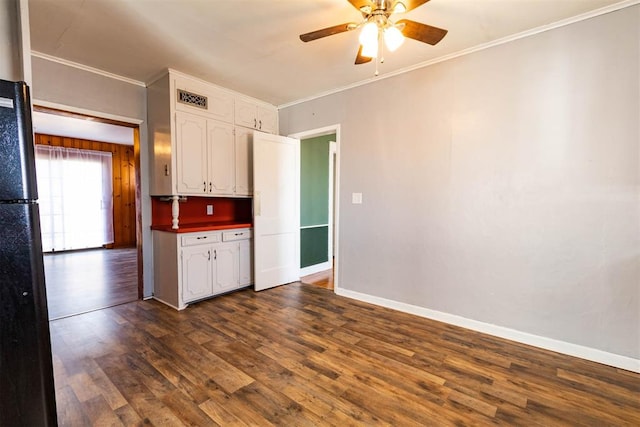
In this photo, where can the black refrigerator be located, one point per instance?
(27, 394)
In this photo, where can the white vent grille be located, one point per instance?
(192, 99)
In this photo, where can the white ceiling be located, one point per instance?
(252, 46)
(53, 124)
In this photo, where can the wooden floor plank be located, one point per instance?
(301, 355)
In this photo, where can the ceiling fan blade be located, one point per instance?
(359, 4)
(336, 29)
(362, 59)
(389, 5)
(421, 32)
(411, 4)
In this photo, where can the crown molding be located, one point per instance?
(83, 67)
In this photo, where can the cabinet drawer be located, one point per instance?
(192, 239)
(231, 235)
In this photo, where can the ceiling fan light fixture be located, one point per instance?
(370, 50)
(369, 40)
(393, 38)
(399, 7)
(369, 34)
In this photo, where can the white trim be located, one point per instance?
(332, 158)
(84, 111)
(86, 68)
(304, 227)
(328, 130)
(588, 353)
(316, 268)
(503, 40)
(25, 42)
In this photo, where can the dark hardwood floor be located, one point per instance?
(323, 279)
(299, 355)
(81, 281)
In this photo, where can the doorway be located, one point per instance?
(319, 166)
(105, 272)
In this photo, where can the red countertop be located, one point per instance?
(190, 228)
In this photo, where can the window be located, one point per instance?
(76, 198)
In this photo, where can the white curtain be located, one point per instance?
(76, 198)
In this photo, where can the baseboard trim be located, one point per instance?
(316, 268)
(588, 353)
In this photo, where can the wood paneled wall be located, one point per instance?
(124, 183)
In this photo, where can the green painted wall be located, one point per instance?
(314, 246)
(314, 199)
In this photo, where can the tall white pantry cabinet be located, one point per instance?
(202, 146)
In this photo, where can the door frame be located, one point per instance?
(81, 113)
(312, 133)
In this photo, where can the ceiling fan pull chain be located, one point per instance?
(380, 55)
(381, 44)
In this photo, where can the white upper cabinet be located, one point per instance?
(191, 154)
(267, 119)
(201, 136)
(221, 156)
(256, 116)
(244, 161)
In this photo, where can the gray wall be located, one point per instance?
(502, 186)
(73, 87)
(10, 51)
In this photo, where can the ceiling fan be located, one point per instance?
(377, 27)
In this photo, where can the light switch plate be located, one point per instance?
(356, 198)
(209, 209)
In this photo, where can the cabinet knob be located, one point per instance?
(208, 255)
(260, 127)
(255, 123)
(205, 186)
(210, 187)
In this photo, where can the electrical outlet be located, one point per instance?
(356, 198)
(209, 209)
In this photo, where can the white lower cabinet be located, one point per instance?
(227, 267)
(197, 273)
(192, 266)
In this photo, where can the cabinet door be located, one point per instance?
(244, 161)
(197, 272)
(191, 154)
(246, 276)
(221, 158)
(246, 114)
(221, 107)
(267, 120)
(226, 257)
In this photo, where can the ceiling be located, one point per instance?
(252, 46)
(54, 124)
